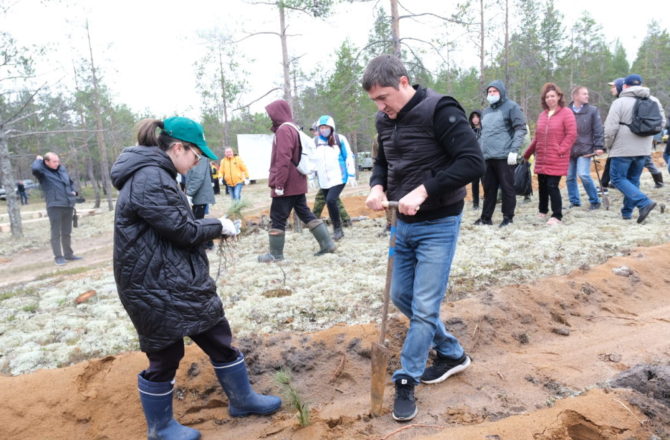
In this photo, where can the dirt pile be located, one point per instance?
(576, 357)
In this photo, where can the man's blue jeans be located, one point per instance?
(423, 255)
(581, 167)
(235, 191)
(625, 174)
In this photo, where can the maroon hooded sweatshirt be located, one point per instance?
(285, 152)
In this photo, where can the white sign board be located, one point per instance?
(255, 151)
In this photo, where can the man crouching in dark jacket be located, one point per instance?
(427, 154)
(162, 273)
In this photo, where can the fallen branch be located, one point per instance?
(629, 410)
(415, 425)
(339, 368)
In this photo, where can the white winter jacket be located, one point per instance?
(332, 168)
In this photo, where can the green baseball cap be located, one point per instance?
(188, 130)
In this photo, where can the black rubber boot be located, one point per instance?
(338, 233)
(320, 232)
(276, 238)
(658, 180)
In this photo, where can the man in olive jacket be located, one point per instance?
(60, 197)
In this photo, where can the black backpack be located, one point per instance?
(647, 120)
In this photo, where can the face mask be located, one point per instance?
(325, 132)
(492, 99)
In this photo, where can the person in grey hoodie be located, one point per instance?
(628, 150)
(199, 189)
(503, 130)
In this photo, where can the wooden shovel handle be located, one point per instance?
(389, 268)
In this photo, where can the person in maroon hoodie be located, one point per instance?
(555, 133)
(288, 186)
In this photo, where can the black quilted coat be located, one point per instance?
(160, 266)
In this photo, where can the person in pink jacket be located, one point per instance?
(555, 133)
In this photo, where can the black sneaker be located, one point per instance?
(481, 221)
(404, 405)
(73, 258)
(443, 368)
(644, 212)
(505, 222)
(594, 206)
(60, 261)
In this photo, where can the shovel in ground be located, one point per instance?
(606, 200)
(380, 353)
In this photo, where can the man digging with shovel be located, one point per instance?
(427, 154)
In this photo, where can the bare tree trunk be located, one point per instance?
(222, 80)
(91, 175)
(395, 28)
(481, 45)
(100, 136)
(284, 52)
(9, 184)
(507, 43)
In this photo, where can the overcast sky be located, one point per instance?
(147, 48)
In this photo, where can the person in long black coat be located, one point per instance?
(162, 273)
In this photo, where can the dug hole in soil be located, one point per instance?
(581, 356)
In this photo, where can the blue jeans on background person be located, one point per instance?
(581, 167)
(625, 175)
(666, 158)
(235, 191)
(423, 255)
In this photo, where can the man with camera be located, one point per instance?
(60, 197)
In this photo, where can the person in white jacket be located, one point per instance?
(334, 164)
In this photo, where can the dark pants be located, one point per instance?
(475, 191)
(216, 342)
(605, 178)
(199, 212)
(498, 175)
(281, 208)
(24, 197)
(549, 190)
(332, 195)
(60, 219)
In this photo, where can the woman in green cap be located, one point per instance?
(162, 273)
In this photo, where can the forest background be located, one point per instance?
(525, 43)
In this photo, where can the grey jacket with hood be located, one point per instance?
(199, 183)
(160, 266)
(503, 126)
(619, 140)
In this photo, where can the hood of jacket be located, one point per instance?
(635, 92)
(279, 112)
(501, 88)
(135, 158)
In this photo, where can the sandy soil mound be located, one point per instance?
(580, 357)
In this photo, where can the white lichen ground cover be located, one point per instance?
(42, 327)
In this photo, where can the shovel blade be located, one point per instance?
(379, 357)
